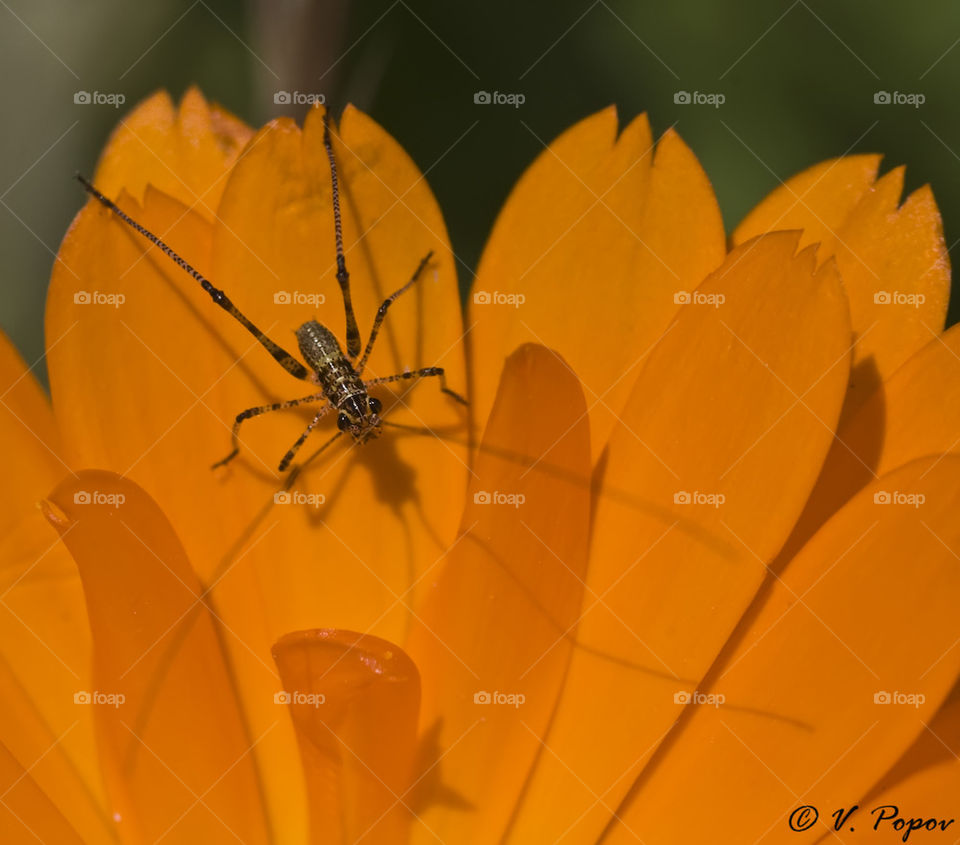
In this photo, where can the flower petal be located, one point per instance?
(28, 438)
(174, 746)
(355, 700)
(728, 405)
(44, 634)
(818, 200)
(185, 152)
(598, 236)
(151, 388)
(892, 257)
(913, 413)
(499, 619)
(866, 611)
(26, 813)
(277, 236)
(922, 785)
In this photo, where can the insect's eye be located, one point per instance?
(343, 422)
(375, 405)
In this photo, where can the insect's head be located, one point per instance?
(360, 417)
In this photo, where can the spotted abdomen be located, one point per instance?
(334, 373)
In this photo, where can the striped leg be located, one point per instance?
(302, 438)
(385, 305)
(426, 372)
(255, 412)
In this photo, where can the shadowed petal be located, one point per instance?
(174, 747)
(44, 635)
(810, 714)
(149, 387)
(923, 784)
(913, 413)
(27, 815)
(717, 451)
(495, 635)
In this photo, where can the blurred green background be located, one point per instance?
(798, 77)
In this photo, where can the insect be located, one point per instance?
(337, 375)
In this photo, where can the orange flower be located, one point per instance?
(699, 572)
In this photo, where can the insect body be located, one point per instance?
(338, 375)
(340, 382)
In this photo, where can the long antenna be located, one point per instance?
(343, 277)
(285, 359)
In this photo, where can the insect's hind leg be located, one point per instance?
(256, 412)
(424, 372)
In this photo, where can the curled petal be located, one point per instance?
(354, 700)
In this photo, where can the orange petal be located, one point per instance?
(277, 237)
(495, 636)
(819, 200)
(151, 388)
(892, 257)
(44, 635)
(26, 813)
(913, 413)
(922, 785)
(28, 438)
(851, 653)
(719, 446)
(354, 701)
(597, 237)
(185, 152)
(175, 750)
